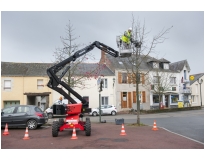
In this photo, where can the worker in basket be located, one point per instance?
(127, 39)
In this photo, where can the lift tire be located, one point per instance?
(55, 127)
(61, 122)
(87, 127)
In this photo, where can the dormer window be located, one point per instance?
(166, 66)
(155, 65)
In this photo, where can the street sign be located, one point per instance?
(191, 78)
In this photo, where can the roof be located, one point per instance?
(14, 69)
(179, 65)
(196, 77)
(164, 60)
(119, 63)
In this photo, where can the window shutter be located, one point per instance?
(129, 100)
(129, 78)
(134, 96)
(143, 80)
(143, 97)
(119, 77)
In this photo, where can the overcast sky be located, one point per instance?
(33, 36)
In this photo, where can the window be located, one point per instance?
(40, 84)
(156, 98)
(104, 100)
(105, 84)
(156, 79)
(173, 80)
(124, 96)
(166, 66)
(174, 98)
(124, 77)
(184, 86)
(22, 109)
(173, 88)
(8, 110)
(184, 74)
(155, 65)
(196, 86)
(7, 85)
(192, 97)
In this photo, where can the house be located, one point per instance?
(197, 88)
(25, 83)
(89, 88)
(125, 90)
(184, 83)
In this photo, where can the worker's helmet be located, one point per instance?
(130, 29)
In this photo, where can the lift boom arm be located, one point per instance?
(55, 80)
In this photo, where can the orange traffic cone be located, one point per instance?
(74, 134)
(6, 132)
(155, 126)
(123, 131)
(26, 136)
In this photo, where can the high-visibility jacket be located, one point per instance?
(126, 37)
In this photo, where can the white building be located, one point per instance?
(88, 87)
(197, 88)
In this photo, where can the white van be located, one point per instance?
(49, 111)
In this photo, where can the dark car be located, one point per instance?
(23, 116)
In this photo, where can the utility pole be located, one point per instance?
(100, 84)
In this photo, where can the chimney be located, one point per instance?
(102, 59)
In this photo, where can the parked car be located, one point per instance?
(105, 110)
(23, 116)
(49, 112)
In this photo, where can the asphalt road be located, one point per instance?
(187, 123)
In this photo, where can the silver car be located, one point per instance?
(105, 110)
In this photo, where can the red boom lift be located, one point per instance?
(73, 112)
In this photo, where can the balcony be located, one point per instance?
(185, 91)
(185, 81)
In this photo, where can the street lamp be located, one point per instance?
(200, 82)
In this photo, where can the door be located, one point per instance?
(166, 100)
(21, 115)
(7, 116)
(104, 109)
(124, 99)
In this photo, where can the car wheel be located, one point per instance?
(113, 113)
(50, 115)
(87, 127)
(55, 126)
(32, 124)
(94, 114)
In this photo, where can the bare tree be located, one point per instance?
(76, 75)
(133, 63)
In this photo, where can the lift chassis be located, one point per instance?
(74, 111)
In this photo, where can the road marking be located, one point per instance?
(181, 135)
